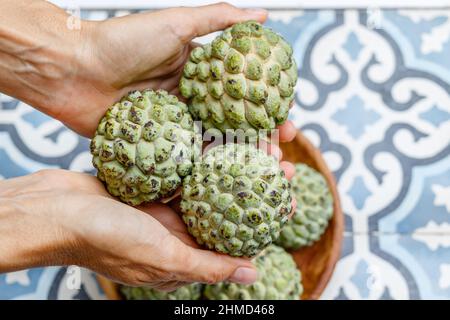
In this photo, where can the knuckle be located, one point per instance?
(134, 282)
(169, 287)
(137, 279)
(177, 255)
(214, 277)
(190, 262)
(184, 32)
(44, 173)
(225, 5)
(53, 177)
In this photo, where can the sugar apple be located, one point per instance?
(244, 79)
(278, 279)
(189, 292)
(144, 145)
(314, 209)
(236, 200)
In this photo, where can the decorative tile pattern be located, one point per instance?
(374, 96)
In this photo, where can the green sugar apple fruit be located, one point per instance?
(314, 209)
(144, 145)
(236, 200)
(244, 79)
(189, 292)
(278, 279)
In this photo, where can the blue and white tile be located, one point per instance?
(72, 283)
(425, 258)
(374, 95)
(396, 267)
(426, 202)
(365, 275)
(387, 118)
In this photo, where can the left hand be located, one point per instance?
(57, 217)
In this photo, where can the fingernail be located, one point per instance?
(257, 11)
(244, 275)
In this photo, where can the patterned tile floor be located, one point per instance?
(374, 95)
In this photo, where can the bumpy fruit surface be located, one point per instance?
(244, 79)
(236, 200)
(144, 145)
(190, 292)
(278, 279)
(314, 209)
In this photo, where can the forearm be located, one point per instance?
(28, 238)
(37, 52)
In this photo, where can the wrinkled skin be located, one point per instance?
(74, 75)
(64, 218)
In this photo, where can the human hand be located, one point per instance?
(160, 43)
(75, 74)
(56, 217)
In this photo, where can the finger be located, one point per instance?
(271, 149)
(275, 151)
(165, 215)
(288, 169)
(195, 44)
(287, 131)
(175, 195)
(294, 207)
(291, 104)
(197, 265)
(170, 219)
(215, 17)
(169, 286)
(167, 83)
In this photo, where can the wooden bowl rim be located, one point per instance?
(338, 216)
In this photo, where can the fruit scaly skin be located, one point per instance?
(189, 292)
(236, 200)
(314, 209)
(244, 79)
(144, 145)
(278, 279)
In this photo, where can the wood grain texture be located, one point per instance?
(316, 262)
(110, 288)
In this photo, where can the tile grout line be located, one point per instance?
(384, 233)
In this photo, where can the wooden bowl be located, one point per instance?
(316, 262)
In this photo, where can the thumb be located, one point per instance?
(206, 266)
(215, 17)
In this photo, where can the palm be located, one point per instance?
(164, 214)
(169, 218)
